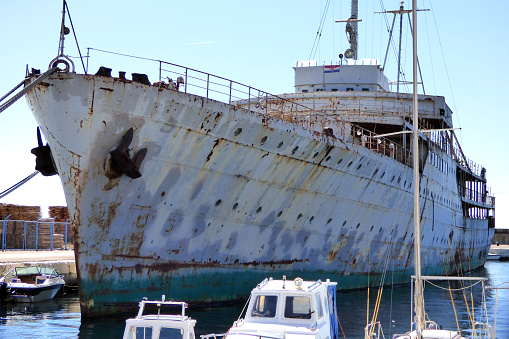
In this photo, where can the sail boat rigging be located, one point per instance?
(420, 321)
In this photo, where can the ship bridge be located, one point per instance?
(356, 75)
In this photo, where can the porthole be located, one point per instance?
(238, 131)
(280, 144)
(263, 140)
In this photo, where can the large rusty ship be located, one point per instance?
(196, 186)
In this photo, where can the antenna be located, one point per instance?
(63, 31)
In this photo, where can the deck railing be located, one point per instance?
(189, 80)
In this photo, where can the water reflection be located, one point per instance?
(60, 317)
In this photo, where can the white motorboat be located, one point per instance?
(281, 309)
(493, 256)
(30, 284)
(160, 325)
(277, 309)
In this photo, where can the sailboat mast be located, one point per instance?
(419, 300)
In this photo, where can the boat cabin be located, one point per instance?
(283, 309)
(155, 326)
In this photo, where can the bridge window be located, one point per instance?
(297, 307)
(264, 306)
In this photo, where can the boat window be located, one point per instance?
(365, 89)
(140, 332)
(264, 306)
(304, 91)
(349, 89)
(319, 308)
(298, 307)
(171, 333)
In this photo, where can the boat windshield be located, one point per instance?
(264, 306)
(298, 307)
(20, 271)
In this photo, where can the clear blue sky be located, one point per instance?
(257, 43)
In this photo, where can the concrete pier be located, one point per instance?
(61, 260)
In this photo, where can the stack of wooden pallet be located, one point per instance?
(21, 225)
(41, 233)
(14, 225)
(14, 234)
(16, 212)
(59, 213)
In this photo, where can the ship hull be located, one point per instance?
(228, 197)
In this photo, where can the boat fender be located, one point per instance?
(120, 161)
(44, 162)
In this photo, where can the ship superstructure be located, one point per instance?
(182, 194)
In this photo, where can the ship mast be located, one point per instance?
(351, 31)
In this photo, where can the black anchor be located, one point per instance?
(122, 162)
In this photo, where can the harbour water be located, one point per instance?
(60, 318)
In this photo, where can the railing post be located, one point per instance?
(65, 243)
(230, 97)
(51, 235)
(185, 84)
(4, 235)
(160, 70)
(37, 234)
(208, 81)
(24, 235)
(249, 98)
